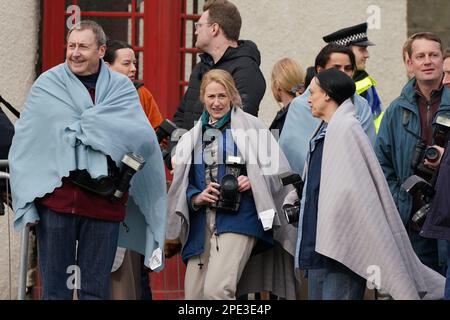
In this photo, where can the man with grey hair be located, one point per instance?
(79, 121)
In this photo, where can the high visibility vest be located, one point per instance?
(364, 85)
(377, 122)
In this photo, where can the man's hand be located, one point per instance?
(209, 195)
(171, 248)
(243, 184)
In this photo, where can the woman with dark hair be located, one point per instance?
(120, 57)
(349, 228)
(310, 74)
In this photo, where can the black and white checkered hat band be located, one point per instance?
(351, 39)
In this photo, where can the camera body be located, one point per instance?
(116, 183)
(230, 197)
(165, 130)
(421, 153)
(292, 211)
(423, 180)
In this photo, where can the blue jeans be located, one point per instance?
(335, 282)
(59, 256)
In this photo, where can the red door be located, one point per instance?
(161, 33)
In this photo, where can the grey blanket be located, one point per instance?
(272, 270)
(358, 223)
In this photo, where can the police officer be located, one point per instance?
(355, 37)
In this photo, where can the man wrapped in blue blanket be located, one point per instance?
(82, 117)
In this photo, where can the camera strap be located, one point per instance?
(406, 117)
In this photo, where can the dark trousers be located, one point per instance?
(75, 252)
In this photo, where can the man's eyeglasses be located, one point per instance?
(199, 24)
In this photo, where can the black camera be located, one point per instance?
(416, 184)
(116, 183)
(292, 211)
(165, 130)
(422, 151)
(230, 197)
(424, 178)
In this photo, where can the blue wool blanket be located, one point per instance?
(61, 130)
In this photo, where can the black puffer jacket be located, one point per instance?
(243, 64)
(6, 134)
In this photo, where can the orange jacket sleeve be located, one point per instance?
(150, 107)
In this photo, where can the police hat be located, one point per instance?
(355, 35)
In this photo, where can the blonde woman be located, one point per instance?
(288, 82)
(223, 228)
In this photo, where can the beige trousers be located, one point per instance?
(214, 274)
(126, 281)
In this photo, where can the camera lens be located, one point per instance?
(432, 154)
(229, 187)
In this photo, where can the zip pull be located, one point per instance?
(216, 234)
(200, 264)
(127, 229)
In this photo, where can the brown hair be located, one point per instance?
(94, 27)
(289, 76)
(421, 35)
(406, 48)
(226, 15)
(225, 79)
(447, 53)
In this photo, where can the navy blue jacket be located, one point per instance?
(244, 221)
(6, 135)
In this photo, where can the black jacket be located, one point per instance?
(437, 223)
(243, 64)
(278, 121)
(6, 134)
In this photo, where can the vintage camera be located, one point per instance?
(116, 183)
(292, 211)
(230, 197)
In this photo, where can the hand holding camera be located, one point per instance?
(292, 211)
(208, 196)
(243, 184)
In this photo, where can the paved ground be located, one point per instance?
(9, 251)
